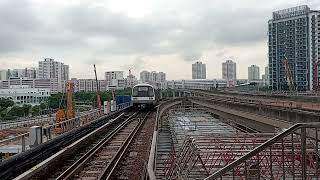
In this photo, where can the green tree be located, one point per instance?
(54, 101)
(16, 111)
(43, 106)
(35, 110)
(26, 109)
(5, 105)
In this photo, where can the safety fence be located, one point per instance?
(27, 122)
(22, 142)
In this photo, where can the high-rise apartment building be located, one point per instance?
(253, 73)
(199, 70)
(294, 35)
(29, 73)
(4, 75)
(229, 72)
(111, 75)
(161, 77)
(49, 68)
(153, 76)
(265, 76)
(115, 79)
(144, 76)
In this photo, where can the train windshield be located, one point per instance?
(143, 91)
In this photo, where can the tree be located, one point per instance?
(54, 101)
(26, 109)
(5, 104)
(16, 111)
(43, 106)
(35, 111)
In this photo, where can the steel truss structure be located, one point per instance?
(204, 147)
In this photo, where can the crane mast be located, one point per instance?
(289, 75)
(61, 115)
(70, 103)
(98, 90)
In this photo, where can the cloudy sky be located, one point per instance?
(161, 35)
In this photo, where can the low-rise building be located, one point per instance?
(51, 84)
(87, 85)
(201, 84)
(24, 94)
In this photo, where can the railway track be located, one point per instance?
(132, 165)
(94, 159)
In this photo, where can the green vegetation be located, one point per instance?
(167, 92)
(84, 97)
(11, 111)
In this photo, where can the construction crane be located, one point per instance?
(130, 79)
(61, 115)
(289, 75)
(98, 90)
(70, 103)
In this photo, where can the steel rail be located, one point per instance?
(110, 169)
(39, 167)
(80, 163)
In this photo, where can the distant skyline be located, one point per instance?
(160, 35)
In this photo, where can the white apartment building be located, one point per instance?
(24, 94)
(161, 77)
(154, 76)
(253, 73)
(115, 80)
(3, 75)
(229, 72)
(29, 73)
(51, 84)
(199, 70)
(131, 80)
(144, 76)
(87, 85)
(49, 68)
(200, 84)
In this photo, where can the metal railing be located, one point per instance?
(20, 143)
(153, 151)
(24, 123)
(292, 154)
(124, 105)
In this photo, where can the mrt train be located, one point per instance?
(144, 95)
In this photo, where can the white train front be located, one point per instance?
(144, 95)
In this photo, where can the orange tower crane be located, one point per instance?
(61, 115)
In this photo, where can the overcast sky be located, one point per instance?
(161, 35)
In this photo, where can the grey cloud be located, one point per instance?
(137, 65)
(144, 36)
(17, 23)
(242, 27)
(162, 33)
